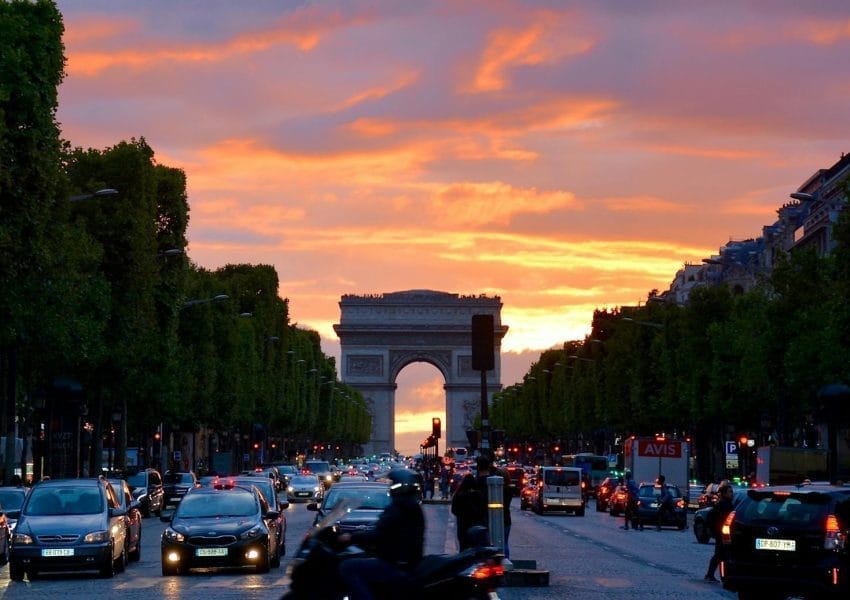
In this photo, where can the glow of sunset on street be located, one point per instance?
(564, 156)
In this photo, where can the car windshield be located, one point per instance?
(561, 477)
(317, 467)
(265, 486)
(223, 504)
(786, 508)
(64, 501)
(305, 480)
(11, 500)
(137, 480)
(375, 498)
(185, 478)
(648, 491)
(287, 469)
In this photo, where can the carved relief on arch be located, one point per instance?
(442, 359)
(365, 365)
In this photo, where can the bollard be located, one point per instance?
(495, 510)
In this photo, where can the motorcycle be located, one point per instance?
(472, 574)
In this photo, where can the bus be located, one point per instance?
(594, 466)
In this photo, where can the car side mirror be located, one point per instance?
(272, 514)
(166, 516)
(117, 512)
(312, 506)
(283, 504)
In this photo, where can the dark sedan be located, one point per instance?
(146, 487)
(219, 528)
(605, 491)
(366, 502)
(648, 506)
(702, 530)
(266, 488)
(133, 518)
(69, 525)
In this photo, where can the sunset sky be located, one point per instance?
(564, 156)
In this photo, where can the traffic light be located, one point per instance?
(436, 425)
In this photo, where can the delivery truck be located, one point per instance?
(649, 457)
(783, 465)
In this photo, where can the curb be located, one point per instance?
(526, 574)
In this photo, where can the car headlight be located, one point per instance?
(290, 489)
(251, 533)
(96, 537)
(329, 477)
(316, 489)
(21, 538)
(170, 535)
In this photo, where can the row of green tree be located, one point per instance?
(96, 287)
(719, 367)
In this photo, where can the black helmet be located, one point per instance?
(403, 482)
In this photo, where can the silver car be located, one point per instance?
(305, 488)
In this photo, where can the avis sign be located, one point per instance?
(660, 449)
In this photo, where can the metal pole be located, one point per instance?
(485, 418)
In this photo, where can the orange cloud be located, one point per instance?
(645, 204)
(541, 42)
(496, 202)
(304, 31)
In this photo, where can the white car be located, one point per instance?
(305, 488)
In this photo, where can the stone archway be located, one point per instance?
(381, 334)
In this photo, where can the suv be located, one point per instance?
(146, 487)
(177, 483)
(69, 524)
(321, 469)
(788, 539)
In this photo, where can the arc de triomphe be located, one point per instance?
(381, 334)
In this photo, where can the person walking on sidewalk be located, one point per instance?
(716, 518)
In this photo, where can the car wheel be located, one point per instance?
(580, 512)
(4, 558)
(16, 572)
(168, 570)
(136, 554)
(600, 506)
(275, 562)
(701, 532)
(107, 569)
(122, 561)
(265, 563)
(32, 574)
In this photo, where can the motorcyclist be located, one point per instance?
(397, 540)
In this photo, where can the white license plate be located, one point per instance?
(211, 552)
(771, 544)
(57, 552)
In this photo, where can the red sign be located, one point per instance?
(660, 449)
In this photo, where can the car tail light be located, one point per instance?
(726, 528)
(833, 538)
(487, 570)
(681, 503)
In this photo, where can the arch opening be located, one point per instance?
(420, 396)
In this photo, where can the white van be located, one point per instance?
(559, 488)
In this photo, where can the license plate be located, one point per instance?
(302, 493)
(211, 552)
(772, 544)
(57, 552)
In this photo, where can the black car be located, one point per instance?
(647, 506)
(267, 489)
(176, 484)
(69, 525)
(788, 540)
(604, 492)
(146, 487)
(366, 501)
(702, 530)
(321, 469)
(219, 528)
